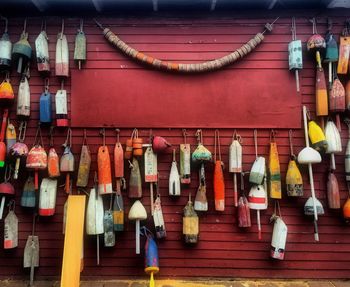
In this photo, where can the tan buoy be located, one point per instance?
(190, 223)
(80, 46)
(42, 50)
(185, 160)
(137, 212)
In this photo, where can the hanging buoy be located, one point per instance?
(118, 205)
(46, 105)
(174, 178)
(94, 217)
(347, 155)
(333, 141)
(67, 162)
(151, 170)
(11, 228)
(104, 168)
(332, 54)
(6, 92)
(42, 50)
(274, 169)
(2, 138)
(258, 201)
(10, 136)
(158, 218)
(62, 54)
(23, 99)
(5, 48)
(243, 207)
(84, 164)
(53, 162)
(201, 202)
(80, 46)
(333, 195)
(317, 137)
(160, 144)
(135, 184)
(37, 157)
(337, 99)
(190, 223)
(19, 150)
(258, 170)
(22, 51)
(28, 194)
(6, 189)
(344, 52)
(137, 144)
(279, 235)
(185, 160)
(219, 183)
(151, 257)
(294, 179)
(109, 236)
(295, 55)
(235, 162)
(47, 197)
(61, 107)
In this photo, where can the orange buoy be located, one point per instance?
(219, 184)
(104, 168)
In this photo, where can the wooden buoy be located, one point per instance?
(37, 157)
(2, 138)
(23, 99)
(151, 171)
(67, 163)
(6, 91)
(219, 183)
(5, 48)
(62, 54)
(235, 162)
(258, 170)
(109, 236)
(47, 197)
(333, 195)
(22, 51)
(28, 193)
(158, 217)
(258, 201)
(94, 217)
(151, 257)
(42, 50)
(279, 234)
(45, 106)
(274, 169)
(84, 164)
(31, 252)
(333, 141)
(243, 208)
(10, 136)
(294, 179)
(174, 178)
(53, 161)
(104, 168)
(344, 50)
(11, 228)
(332, 53)
(185, 160)
(61, 107)
(190, 223)
(295, 55)
(80, 45)
(135, 184)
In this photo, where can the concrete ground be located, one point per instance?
(190, 283)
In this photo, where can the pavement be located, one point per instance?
(189, 283)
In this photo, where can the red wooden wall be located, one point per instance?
(223, 250)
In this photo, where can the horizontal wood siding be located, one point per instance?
(223, 249)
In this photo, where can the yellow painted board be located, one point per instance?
(73, 241)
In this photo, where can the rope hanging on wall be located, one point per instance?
(207, 66)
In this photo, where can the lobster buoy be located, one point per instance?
(279, 239)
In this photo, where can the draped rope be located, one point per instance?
(207, 66)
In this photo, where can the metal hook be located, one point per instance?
(24, 26)
(46, 82)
